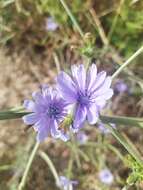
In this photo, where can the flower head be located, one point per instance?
(81, 137)
(66, 184)
(51, 25)
(48, 110)
(106, 176)
(89, 92)
(120, 86)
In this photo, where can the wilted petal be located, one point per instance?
(79, 75)
(92, 114)
(66, 87)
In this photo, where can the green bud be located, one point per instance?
(66, 122)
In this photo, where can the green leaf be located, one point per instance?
(130, 121)
(12, 114)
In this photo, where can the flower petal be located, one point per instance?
(107, 95)
(30, 119)
(55, 132)
(43, 129)
(80, 117)
(91, 76)
(29, 104)
(99, 80)
(104, 87)
(64, 136)
(66, 87)
(79, 75)
(92, 114)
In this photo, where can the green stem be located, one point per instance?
(126, 63)
(28, 166)
(72, 17)
(47, 159)
(122, 141)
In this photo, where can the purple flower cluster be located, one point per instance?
(82, 95)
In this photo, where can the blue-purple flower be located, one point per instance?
(120, 86)
(87, 91)
(66, 184)
(81, 137)
(106, 176)
(48, 111)
(51, 25)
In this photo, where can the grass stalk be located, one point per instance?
(72, 18)
(126, 63)
(115, 20)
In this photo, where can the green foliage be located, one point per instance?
(88, 46)
(127, 34)
(137, 170)
(26, 19)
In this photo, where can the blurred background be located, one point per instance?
(37, 39)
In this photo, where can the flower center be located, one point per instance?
(83, 99)
(53, 111)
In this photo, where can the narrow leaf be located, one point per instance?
(130, 121)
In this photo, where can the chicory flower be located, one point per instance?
(87, 90)
(81, 137)
(48, 110)
(106, 176)
(51, 25)
(66, 184)
(120, 86)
